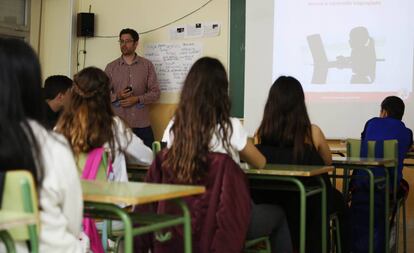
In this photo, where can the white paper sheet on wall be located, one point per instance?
(196, 30)
(172, 62)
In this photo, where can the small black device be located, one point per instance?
(128, 89)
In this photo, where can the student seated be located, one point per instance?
(88, 122)
(387, 126)
(26, 144)
(204, 147)
(286, 136)
(56, 97)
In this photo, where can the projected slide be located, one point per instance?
(346, 47)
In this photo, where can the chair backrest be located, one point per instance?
(156, 147)
(214, 224)
(390, 151)
(81, 161)
(390, 148)
(20, 196)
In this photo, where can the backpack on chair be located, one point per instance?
(95, 159)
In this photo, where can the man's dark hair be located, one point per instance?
(394, 106)
(132, 32)
(56, 84)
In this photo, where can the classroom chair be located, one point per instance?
(156, 147)
(251, 246)
(19, 195)
(220, 165)
(390, 150)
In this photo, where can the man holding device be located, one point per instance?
(134, 85)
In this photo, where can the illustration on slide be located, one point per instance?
(362, 60)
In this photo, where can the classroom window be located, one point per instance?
(14, 18)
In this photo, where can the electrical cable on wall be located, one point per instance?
(165, 25)
(81, 51)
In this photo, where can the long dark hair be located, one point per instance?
(204, 106)
(88, 120)
(285, 118)
(20, 100)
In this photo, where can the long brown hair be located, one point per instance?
(204, 105)
(285, 120)
(87, 122)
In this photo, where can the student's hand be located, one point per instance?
(129, 101)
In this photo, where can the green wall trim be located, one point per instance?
(237, 49)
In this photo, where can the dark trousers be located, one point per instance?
(145, 134)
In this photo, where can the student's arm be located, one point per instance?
(321, 144)
(252, 156)
(133, 146)
(62, 185)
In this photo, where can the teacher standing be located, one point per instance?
(134, 86)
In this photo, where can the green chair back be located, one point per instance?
(20, 196)
(156, 147)
(390, 151)
(353, 148)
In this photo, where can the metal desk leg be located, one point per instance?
(302, 211)
(8, 241)
(387, 210)
(371, 211)
(187, 225)
(124, 217)
(323, 213)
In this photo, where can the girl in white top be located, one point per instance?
(202, 124)
(238, 140)
(88, 122)
(25, 144)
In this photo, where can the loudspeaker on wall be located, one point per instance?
(85, 24)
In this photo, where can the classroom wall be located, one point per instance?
(56, 44)
(58, 38)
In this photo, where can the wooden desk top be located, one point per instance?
(337, 149)
(290, 170)
(133, 193)
(272, 169)
(12, 219)
(362, 161)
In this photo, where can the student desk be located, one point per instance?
(366, 164)
(285, 173)
(103, 200)
(292, 174)
(11, 219)
(338, 150)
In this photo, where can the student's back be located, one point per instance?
(26, 144)
(380, 129)
(386, 127)
(88, 122)
(286, 136)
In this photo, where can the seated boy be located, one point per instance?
(389, 126)
(386, 127)
(55, 95)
